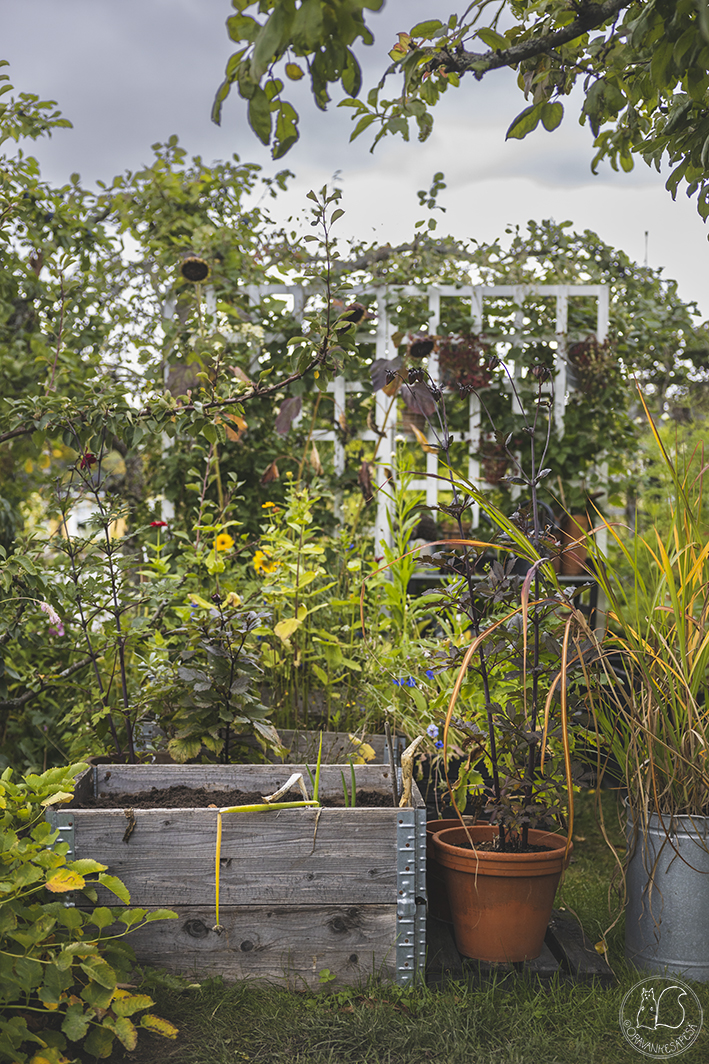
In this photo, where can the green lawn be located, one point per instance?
(516, 1021)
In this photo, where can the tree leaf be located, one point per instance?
(428, 29)
(552, 114)
(85, 865)
(100, 971)
(525, 122)
(308, 25)
(101, 917)
(492, 39)
(285, 628)
(197, 600)
(160, 914)
(99, 1042)
(75, 1023)
(351, 75)
(124, 1029)
(60, 796)
(125, 1004)
(260, 116)
(63, 880)
(158, 1025)
(272, 39)
(289, 410)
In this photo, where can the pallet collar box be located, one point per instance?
(302, 891)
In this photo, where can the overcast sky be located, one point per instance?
(131, 73)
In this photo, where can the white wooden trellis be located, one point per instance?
(386, 411)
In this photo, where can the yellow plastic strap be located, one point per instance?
(219, 853)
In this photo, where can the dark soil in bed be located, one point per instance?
(182, 797)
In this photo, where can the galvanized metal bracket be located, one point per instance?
(410, 895)
(62, 820)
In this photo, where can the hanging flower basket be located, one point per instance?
(463, 362)
(493, 460)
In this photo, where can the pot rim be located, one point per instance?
(666, 823)
(489, 862)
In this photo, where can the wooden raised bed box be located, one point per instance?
(302, 891)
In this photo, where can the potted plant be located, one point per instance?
(653, 719)
(524, 634)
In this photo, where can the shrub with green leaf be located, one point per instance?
(61, 962)
(311, 583)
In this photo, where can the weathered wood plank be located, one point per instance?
(84, 786)
(329, 878)
(574, 952)
(336, 749)
(130, 779)
(545, 965)
(443, 961)
(290, 945)
(304, 855)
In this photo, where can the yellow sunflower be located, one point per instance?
(263, 563)
(223, 542)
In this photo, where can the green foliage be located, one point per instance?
(94, 446)
(320, 31)
(311, 583)
(60, 965)
(655, 721)
(208, 695)
(156, 395)
(644, 68)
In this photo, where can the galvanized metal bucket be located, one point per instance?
(667, 914)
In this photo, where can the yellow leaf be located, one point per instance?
(285, 629)
(60, 796)
(124, 1030)
(64, 880)
(425, 445)
(158, 1025)
(601, 947)
(315, 461)
(28, 465)
(294, 72)
(364, 751)
(234, 434)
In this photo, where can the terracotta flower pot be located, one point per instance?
(500, 902)
(435, 876)
(573, 560)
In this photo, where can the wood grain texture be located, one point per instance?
(280, 857)
(574, 952)
(337, 746)
(129, 779)
(289, 945)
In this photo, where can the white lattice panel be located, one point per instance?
(386, 411)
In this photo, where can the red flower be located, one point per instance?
(158, 524)
(87, 460)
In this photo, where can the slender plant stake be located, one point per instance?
(407, 772)
(392, 764)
